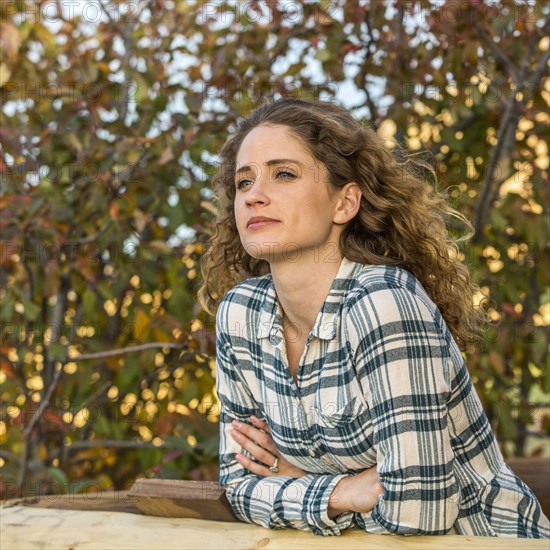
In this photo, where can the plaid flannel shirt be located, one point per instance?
(381, 382)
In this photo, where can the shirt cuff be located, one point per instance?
(325, 525)
(367, 523)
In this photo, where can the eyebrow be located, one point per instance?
(269, 163)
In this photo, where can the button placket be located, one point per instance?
(309, 442)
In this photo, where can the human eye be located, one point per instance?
(284, 174)
(243, 182)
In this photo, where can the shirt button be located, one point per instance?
(311, 452)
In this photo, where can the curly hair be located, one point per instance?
(402, 220)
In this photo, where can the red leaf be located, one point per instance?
(165, 424)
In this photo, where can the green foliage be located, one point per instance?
(109, 131)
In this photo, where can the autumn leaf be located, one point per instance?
(10, 39)
(167, 156)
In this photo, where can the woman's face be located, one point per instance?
(283, 208)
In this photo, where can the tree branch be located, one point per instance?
(90, 238)
(28, 270)
(6, 455)
(113, 444)
(30, 426)
(129, 349)
(499, 54)
(506, 134)
(505, 139)
(364, 71)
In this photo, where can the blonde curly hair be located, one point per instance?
(402, 220)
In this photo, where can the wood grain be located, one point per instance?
(107, 501)
(181, 499)
(24, 527)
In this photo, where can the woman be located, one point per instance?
(341, 304)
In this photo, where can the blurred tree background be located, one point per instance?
(112, 114)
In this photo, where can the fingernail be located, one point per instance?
(254, 419)
(236, 423)
(236, 435)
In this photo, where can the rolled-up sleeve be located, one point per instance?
(275, 502)
(402, 361)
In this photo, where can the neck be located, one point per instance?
(303, 286)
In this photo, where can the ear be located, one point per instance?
(347, 203)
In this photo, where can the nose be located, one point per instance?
(257, 194)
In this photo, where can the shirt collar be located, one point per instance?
(326, 325)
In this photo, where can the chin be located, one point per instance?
(268, 251)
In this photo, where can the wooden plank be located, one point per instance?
(206, 499)
(113, 501)
(181, 499)
(24, 528)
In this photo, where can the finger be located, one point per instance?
(254, 467)
(261, 424)
(260, 437)
(255, 450)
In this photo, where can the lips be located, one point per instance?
(260, 221)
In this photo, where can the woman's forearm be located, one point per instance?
(358, 493)
(337, 503)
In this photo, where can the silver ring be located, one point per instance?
(274, 469)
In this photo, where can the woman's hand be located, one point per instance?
(358, 493)
(258, 442)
